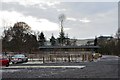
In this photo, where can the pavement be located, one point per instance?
(105, 67)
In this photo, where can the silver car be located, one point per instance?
(19, 58)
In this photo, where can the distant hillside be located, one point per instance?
(83, 41)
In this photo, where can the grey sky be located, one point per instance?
(83, 19)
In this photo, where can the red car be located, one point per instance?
(4, 61)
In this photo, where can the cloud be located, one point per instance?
(85, 20)
(38, 4)
(44, 25)
(32, 2)
(10, 18)
(59, 10)
(66, 29)
(71, 19)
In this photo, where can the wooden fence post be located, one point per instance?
(43, 59)
(68, 58)
(83, 57)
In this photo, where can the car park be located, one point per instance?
(19, 58)
(4, 60)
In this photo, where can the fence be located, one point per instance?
(61, 57)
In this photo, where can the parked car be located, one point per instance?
(4, 60)
(19, 58)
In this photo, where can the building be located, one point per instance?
(67, 49)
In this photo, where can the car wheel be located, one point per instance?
(26, 60)
(22, 61)
(7, 65)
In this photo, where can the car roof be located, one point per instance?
(2, 54)
(19, 54)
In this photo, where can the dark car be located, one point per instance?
(4, 60)
(19, 58)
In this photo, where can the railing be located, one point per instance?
(61, 57)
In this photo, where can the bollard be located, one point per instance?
(68, 58)
(88, 57)
(50, 57)
(82, 57)
(85, 57)
(43, 59)
(71, 58)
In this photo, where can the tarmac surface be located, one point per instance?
(105, 67)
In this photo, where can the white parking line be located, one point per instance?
(8, 71)
(33, 62)
(44, 67)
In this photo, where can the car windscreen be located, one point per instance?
(19, 56)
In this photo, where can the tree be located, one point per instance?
(118, 42)
(109, 46)
(67, 41)
(41, 39)
(74, 42)
(31, 43)
(19, 38)
(118, 47)
(20, 32)
(95, 42)
(53, 40)
(6, 39)
(61, 38)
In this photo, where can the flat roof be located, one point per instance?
(68, 47)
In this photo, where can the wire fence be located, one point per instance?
(60, 56)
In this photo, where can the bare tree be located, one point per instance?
(61, 39)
